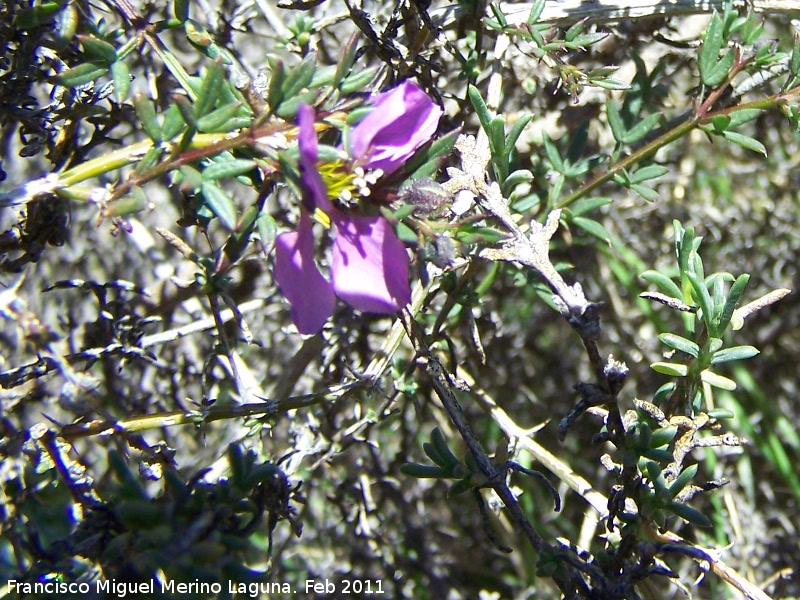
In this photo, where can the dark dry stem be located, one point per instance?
(572, 584)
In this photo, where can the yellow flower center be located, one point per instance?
(339, 181)
(347, 185)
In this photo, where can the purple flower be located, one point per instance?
(369, 264)
(404, 118)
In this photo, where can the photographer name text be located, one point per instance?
(122, 589)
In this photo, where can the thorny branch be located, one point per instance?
(571, 583)
(531, 249)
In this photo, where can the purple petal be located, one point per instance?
(369, 266)
(404, 118)
(296, 273)
(316, 193)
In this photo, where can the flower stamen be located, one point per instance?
(321, 217)
(338, 180)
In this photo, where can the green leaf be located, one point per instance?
(683, 244)
(300, 77)
(431, 156)
(618, 128)
(656, 476)
(663, 436)
(745, 141)
(358, 114)
(794, 62)
(641, 129)
(609, 83)
(721, 413)
(663, 283)
(127, 205)
(662, 456)
(346, 60)
(28, 18)
(358, 81)
(647, 173)
(180, 9)
(150, 159)
(288, 108)
(146, 113)
(719, 71)
(197, 34)
(276, 81)
(173, 123)
(734, 353)
(323, 77)
(81, 75)
(516, 130)
(680, 343)
(682, 480)
(199, 37)
(227, 168)
(476, 234)
(98, 50)
(585, 40)
(717, 381)
(740, 117)
(594, 228)
(554, 193)
(220, 204)
(645, 192)
(121, 76)
(585, 205)
(707, 58)
(552, 153)
(526, 203)
(267, 231)
(720, 123)
(437, 439)
(406, 234)
(401, 213)
(423, 471)
(703, 298)
(186, 109)
(574, 31)
(734, 295)
(621, 178)
(210, 85)
(671, 369)
(516, 178)
(434, 454)
(536, 11)
(497, 138)
(480, 107)
(192, 178)
(221, 120)
(66, 24)
(459, 487)
(687, 513)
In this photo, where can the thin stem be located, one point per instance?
(644, 152)
(203, 145)
(147, 33)
(122, 157)
(269, 407)
(670, 136)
